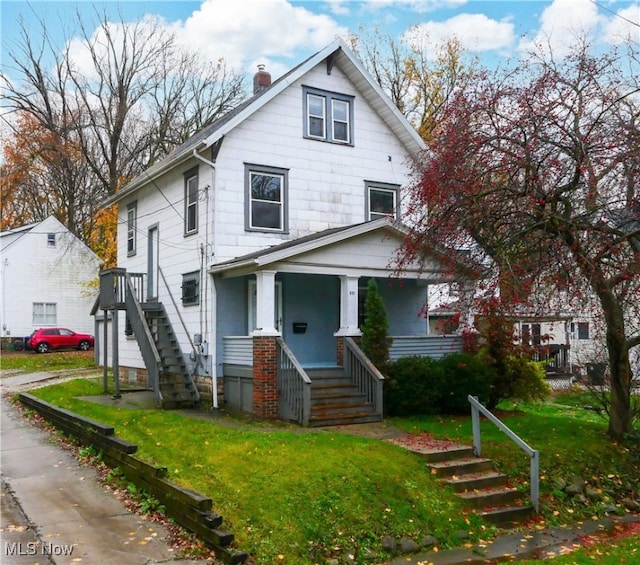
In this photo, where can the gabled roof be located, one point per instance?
(289, 249)
(9, 238)
(342, 57)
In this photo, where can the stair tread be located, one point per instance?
(470, 477)
(479, 493)
(458, 462)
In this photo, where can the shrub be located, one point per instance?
(375, 341)
(412, 385)
(421, 385)
(464, 374)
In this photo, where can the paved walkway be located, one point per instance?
(55, 511)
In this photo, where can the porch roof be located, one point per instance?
(366, 249)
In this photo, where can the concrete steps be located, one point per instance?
(474, 479)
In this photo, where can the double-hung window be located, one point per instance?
(381, 200)
(51, 240)
(45, 314)
(132, 218)
(191, 202)
(266, 198)
(328, 116)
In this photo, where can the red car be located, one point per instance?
(45, 339)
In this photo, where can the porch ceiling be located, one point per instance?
(367, 249)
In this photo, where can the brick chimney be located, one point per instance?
(261, 80)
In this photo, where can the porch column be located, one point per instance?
(348, 306)
(348, 314)
(265, 303)
(265, 360)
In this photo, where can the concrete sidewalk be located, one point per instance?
(55, 511)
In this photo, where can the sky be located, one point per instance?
(282, 33)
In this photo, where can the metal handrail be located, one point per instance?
(297, 398)
(534, 454)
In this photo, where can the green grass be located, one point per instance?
(30, 362)
(299, 496)
(303, 495)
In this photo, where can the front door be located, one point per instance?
(152, 263)
(253, 302)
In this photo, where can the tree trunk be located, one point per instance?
(620, 416)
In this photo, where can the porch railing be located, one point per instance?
(363, 374)
(435, 346)
(143, 336)
(113, 288)
(534, 455)
(294, 386)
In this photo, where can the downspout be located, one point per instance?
(213, 341)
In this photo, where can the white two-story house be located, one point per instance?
(254, 240)
(47, 278)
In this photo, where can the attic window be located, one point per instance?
(381, 200)
(328, 116)
(51, 240)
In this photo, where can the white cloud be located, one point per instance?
(561, 24)
(476, 32)
(338, 7)
(256, 29)
(620, 27)
(420, 6)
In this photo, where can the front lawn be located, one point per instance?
(298, 496)
(289, 495)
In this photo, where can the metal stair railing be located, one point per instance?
(476, 409)
(364, 374)
(294, 386)
(143, 336)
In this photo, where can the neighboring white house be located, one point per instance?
(48, 278)
(261, 232)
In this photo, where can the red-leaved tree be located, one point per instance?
(536, 175)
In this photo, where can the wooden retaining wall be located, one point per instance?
(188, 508)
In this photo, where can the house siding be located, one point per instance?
(34, 272)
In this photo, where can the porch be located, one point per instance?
(350, 391)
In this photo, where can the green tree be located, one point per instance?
(375, 330)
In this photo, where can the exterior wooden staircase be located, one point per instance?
(177, 388)
(476, 481)
(335, 400)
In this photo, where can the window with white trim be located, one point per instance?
(191, 288)
(328, 116)
(45, 314)
(381, 200)
(132, 219)
(265, 198)
(191, 202)
(51, 240)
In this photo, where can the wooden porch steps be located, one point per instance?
(476, 481)
(335, 400)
